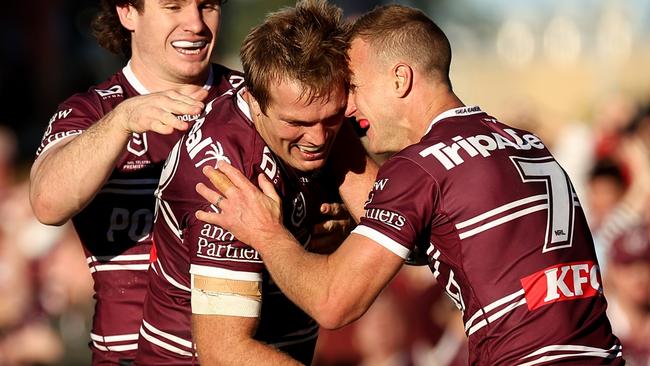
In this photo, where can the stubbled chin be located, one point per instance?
(308, 165)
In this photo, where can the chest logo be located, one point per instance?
(138, 144)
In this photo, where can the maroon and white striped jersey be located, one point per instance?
(504, 234)
(115, 227)
(185, 246)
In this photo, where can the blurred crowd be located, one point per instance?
(46, 290)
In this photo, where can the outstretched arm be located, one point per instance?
(68, 175)
(334, 289)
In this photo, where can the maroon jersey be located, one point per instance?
(185, 246)
(504, 234)
(116, 225)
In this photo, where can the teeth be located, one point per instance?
(188, 44)
(309, 149)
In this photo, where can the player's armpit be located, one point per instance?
(220, 296)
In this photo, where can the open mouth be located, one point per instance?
(188, 47)
(312, 152)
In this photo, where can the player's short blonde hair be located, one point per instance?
(396, 32)
(306, 43)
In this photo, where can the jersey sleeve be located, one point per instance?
(213, 251)
(400, 206)
(71, 118)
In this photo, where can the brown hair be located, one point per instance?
(306, 43)
(399, 32)
(109, 31)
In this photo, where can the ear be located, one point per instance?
(127, 14)
(402, 79)
(252, 104)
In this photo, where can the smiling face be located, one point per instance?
(173, 39)
(299, 131)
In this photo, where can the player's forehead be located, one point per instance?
(359, 55)
(186, 2)
(290, 100)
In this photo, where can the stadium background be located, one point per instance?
(569, 70)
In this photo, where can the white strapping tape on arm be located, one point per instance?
(219, 296)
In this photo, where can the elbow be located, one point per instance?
(46, 214)
(334, 316)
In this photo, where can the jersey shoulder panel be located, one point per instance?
(400, 205)
(82, 110)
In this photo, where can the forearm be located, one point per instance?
(65, 179)
(232, 347)
(353, 170)
(333, 289)
(356, 186)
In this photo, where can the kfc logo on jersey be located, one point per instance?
(113, 91)
(390, 218)
(562, 282)
(450, 156)
(138, 144)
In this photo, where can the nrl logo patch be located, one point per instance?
(138, 144)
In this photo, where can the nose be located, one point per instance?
(351, 108)
(318, 134)
(194, 19)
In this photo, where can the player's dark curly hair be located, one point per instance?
(109, 31)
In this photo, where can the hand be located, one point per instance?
(335, 227)
(157, 111)
(252, 216)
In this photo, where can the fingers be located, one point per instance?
(200, 94)
(268, 188)
(218, 179)
(207, 193)
(334, 209)
(236, 178)
(209, 217)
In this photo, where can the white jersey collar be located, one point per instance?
(243, 106)
(137, 85)
(460, 111)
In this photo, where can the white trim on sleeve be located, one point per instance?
(224, 273)
(383, 240)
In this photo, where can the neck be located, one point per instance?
(435, 101)
(155, 81)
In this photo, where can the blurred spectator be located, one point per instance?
(43, 279)
(606, 187)
(394, 333)
(382, 334)
(628, 292)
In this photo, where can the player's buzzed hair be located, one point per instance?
(396, 31)
(306, 43)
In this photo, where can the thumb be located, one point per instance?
(268, 188)
(200, 94)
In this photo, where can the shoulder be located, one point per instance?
(226, 78)
(103, 96)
